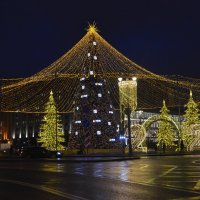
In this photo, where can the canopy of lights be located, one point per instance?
(30, 94)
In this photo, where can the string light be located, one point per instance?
(63, 77)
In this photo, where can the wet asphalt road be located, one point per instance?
(166, 177)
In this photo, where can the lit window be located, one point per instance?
(96, 120)
(84, 96)
(78, 122)
(91, 73)
(95, 57)
(83, 87)
(94, 43)
(109, 123)
(95, 111)
(77, 108)
(88, 54)
(110, 112)
(98, 83)
(76, 133)
(98, 132)
(99, 95)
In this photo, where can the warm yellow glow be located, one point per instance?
(63, 78)
(92, 28)
(134, 79)
(128, 94)
(119, 79)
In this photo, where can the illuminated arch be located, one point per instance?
(139, 134)
(156, 118)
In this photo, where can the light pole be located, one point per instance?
(128, 113)
(180, 141)
(122, 132)
(56, 114)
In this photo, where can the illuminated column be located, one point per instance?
(128, 102)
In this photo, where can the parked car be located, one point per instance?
(35, 152)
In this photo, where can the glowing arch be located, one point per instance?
(156, 118)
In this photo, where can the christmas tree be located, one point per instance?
(165, 134)
(191, 116)
(93, 123)
(51, 135)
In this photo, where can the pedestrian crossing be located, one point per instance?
(185, 177)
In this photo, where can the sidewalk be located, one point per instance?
(168, 153)
(96, 157)
(72, 158)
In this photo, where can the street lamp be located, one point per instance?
(128, 102)
(56, 99)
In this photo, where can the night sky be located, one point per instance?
(163, 36)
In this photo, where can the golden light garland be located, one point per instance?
(30, 94)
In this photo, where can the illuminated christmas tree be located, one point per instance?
(165, 134)
(191, 116)
(93, 123)
(51, 135)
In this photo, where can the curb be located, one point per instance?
(66, 160)
(170, 154)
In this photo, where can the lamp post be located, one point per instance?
(180, 141)
(128, 102)
(128, 113)
(122, 132)
(56, 114)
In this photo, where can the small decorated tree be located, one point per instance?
(191, 117)
(51, 135)
(165, 134)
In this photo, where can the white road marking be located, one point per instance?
(173, 167)
(182, 176)
(196, 162)
(163, 186)
(188, 198)
(169, 170)
(185, 172)
(197, 186)
(144, 166)
(43, 188)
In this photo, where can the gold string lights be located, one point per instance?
(62, 77)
